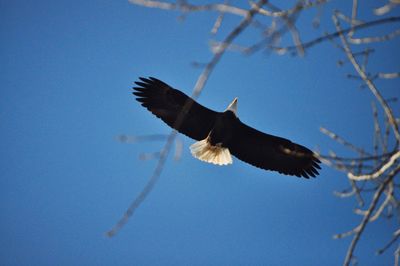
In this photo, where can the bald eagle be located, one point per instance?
(221, 134)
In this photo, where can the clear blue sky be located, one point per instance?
(67, 68)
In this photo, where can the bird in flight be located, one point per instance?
(221, 134)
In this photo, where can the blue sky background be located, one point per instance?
(67, 70)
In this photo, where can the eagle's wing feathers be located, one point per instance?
(271, 152)
(167, 103)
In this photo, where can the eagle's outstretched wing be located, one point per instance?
(167, 103)
(271, 152)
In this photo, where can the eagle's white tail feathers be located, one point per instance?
(204, 151)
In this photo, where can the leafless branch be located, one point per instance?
(383, 38)
(217, 23)
(290, 23)
(359, 229)
(301, 5)
(386, 8)
(353, 21)
(378, 138)
(368, 82)
(341, 140)
(396, 235)
(382, 206)
(134, 139)
(389, 75)
(154, 137)
(328, 36)
(379, 171)
(186, 7)
(387, 170)
(396, 256)
(365, 158)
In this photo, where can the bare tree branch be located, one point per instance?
(383, 38)
(380, 172)
(340, 140)
(336, 34)
(185, 7)
(396, 256)
(368, 214)
(386, 8)
(396, 236)
(369, 83)
(389, 75)
(377, 172)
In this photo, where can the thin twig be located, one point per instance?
(396, 256)
(381, 207)
(134, 139)
(353, 17)
(389, 75)
(378, 138)
(342, 141)
(217, 23)
(146, 190)
(336, 34)
(386, 8)
(289, 21)
(300, 5)
(185, 7)
(382, 38)
(396, 236)
(366, 158)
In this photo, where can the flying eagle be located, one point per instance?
(220, 134)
